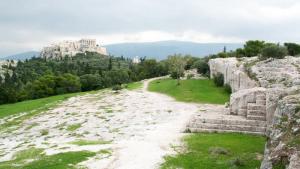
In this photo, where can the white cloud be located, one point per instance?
(31, 24)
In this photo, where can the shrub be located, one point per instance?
(117, 87)
(228, 88)
(175, 75)
(202, 67)
(273, 51)
(218, 79)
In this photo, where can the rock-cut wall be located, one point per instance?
(233, 72)
(268, 91)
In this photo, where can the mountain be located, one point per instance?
(161, 49)
(157, 50)
(22, 56)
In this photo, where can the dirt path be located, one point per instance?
(139, 125)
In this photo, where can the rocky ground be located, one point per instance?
(136, 127)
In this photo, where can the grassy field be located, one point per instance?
(134, 85)
(38, 160)
(29, 105)
(201, 91)
(218, 151)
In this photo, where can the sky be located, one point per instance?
(31, 24)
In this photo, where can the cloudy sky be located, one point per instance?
(31, 24)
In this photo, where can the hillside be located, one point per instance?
(158, 50)
(21, 56)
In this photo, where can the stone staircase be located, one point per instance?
(220, 120)
(257, 110)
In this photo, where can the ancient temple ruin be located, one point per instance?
(71, 48)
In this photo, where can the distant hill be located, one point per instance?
(22, 56)
(161, 49)
(158, 50)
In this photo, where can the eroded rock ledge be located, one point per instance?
(267, 91)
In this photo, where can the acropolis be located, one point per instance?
(71, 48)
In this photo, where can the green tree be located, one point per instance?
(177, 64)
(293, 48)
(202, 67)
(274, 51)
(253, 48)
(91, 82)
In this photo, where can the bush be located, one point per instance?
(202, 67)
(175, 75)
(273, 51)
(218, 79)
(117, 87)
(228, 88)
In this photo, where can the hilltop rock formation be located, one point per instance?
(268, 91)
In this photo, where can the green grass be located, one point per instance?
(73, 127)
(134, 85)
(235, 148)
(89, 142)
(201, 91)
(36, 159)
(29, 105)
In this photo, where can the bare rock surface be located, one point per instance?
(269, 93)
(137, 126)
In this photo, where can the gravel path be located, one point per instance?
(139, 126)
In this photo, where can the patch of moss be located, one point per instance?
(73, 127)
(89, 142)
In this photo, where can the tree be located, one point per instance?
(218, 79)
(202, 67)
(91, 82)
(293, 48)
(190, 60)
(177, 64)
(274, 51)
(110, 63)
(253, 48)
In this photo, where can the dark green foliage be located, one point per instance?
(190, 61)
(117, 87)
(253, 47)
(38, 78)
(176, 75)
(202, 67)
(228, 88)
(293, 48)
(273, 51)
(91, 82)
(218, 79)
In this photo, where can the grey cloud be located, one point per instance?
(39, 21)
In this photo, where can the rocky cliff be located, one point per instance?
(267, 91)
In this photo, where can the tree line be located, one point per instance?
(38, 77)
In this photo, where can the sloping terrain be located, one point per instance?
(130, 129)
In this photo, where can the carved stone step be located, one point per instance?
(231, 122)
(261, 118)
(228, 127)
(198, 130)
(253, 106)
(261, 102)
(242, 112)
(256, 113)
